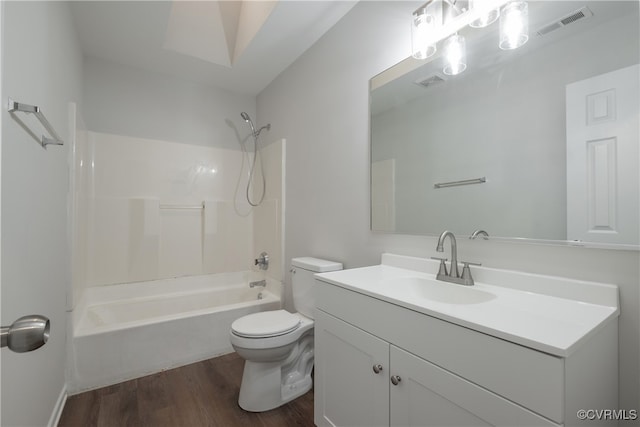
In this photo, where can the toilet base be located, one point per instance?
(268, 385)
(261, 388)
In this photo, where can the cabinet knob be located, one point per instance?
(377, 368)
(395, 380)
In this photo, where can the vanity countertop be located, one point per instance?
(547, 313)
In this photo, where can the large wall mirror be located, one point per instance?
(538, 143)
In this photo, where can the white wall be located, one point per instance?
(320, 104)
(123, 100)
(42, 65)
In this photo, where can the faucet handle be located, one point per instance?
(468, 263)
(442, 271)
(482, 233)
(466, 272)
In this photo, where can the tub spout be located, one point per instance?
(262, 283)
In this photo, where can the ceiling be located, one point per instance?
(237, 45)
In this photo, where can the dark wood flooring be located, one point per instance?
(201, 394)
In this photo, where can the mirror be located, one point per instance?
(539, 143)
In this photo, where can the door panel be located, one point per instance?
(345, 357)
(43, 69)
(603, 178)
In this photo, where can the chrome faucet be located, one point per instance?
(262, 283)
(453, 272)
(453, 276)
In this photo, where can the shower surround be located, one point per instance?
(146, 210)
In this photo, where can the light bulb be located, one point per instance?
(514, 25)
(422, 25)
(455, 54)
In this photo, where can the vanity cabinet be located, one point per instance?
(363, 380)
(379, 364)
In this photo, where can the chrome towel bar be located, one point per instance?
(54, 138)
(463, 182)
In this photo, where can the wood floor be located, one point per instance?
(201, 394)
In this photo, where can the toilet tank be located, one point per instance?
(302, 281)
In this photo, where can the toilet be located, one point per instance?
(277, 345)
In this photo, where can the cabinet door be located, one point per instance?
(427, 395)
(348, 392)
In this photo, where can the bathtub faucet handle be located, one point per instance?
(262, 261)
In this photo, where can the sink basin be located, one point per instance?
(448, 293)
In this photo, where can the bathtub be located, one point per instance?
(127, 331)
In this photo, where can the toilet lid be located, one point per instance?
(265, 324)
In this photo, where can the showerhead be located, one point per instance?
(247, 119)
(255, 133)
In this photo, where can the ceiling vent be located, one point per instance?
(430, 81)
(575, 16)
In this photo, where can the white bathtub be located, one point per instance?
(126, 331)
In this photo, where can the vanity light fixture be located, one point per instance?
(455, 53)
(423, 23)
(514, 25)
(437, 20)
(487, 17)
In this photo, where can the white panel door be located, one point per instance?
(348, 391)
(603, 177)
(35, 186)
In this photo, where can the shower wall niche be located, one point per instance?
(147, 209)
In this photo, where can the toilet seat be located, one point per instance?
(265, 324)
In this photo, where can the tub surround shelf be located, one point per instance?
(180, 207)
(538, 314)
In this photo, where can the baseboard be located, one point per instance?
(82, 385)
(57, 410)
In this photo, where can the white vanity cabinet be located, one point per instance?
(362, 380)
(377, 364)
